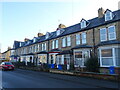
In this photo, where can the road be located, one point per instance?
(34, 79)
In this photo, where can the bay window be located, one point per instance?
(80, 57)
(117, 56)
(109, 56)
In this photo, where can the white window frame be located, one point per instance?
(64, 42)
(105, 34)
(58, 32)
(83, 59)
(42, 47)
(83, 24)
(47, 35)
(112, 33)
(34, 39)
(78, 39)
(20, 44)
(68, 40)
(53, 44)
(113, 56)
(56, 43)
(84, 37)
(108, 16)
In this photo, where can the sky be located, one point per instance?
(21, 19)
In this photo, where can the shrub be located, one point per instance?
(92, 64)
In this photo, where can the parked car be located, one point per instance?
(7, 66)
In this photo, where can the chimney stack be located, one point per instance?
(26, 39)
(61, 26)
(101, 12)
(40, 34)
(9, 48)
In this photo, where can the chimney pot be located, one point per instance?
(101, 12)
(40, 34)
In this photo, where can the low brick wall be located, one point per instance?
(104, 76)
(107, 70)
(113, 77)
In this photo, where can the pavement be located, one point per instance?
(36, 79)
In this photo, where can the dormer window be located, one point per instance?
(59, 31)
(20, 44)
(34, 40)
(83, 23)
(47, 35)
(28, 42)
(108, 15)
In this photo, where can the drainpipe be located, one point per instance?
(48, 53)
(94, 42)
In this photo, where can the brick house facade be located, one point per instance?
(99, 37)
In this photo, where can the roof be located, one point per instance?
(27, 54)
(55, 50)
(14, 56)
(42, 52)
(65, 52)
(82, 46)
(95, 22)
(108, 42)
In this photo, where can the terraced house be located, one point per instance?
(99, 37)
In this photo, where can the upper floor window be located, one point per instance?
(43, 46)
(56, 43)
(111, 33)
(108, 33)
(77, 39)
(64, 42)
(103, 34)
(53, 44)
(83, 23)
(68, 41)
(84, 38)
(108, 15)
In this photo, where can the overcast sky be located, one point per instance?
(24, 19)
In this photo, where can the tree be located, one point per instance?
(92, 64)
